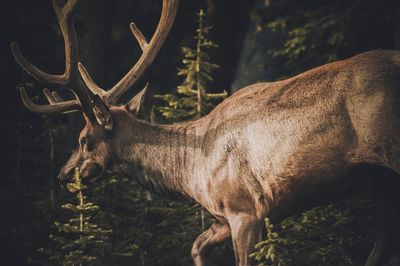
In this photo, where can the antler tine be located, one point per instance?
(139, 36)
(53, 98)
(53, 108)
(89, 81)
(70, 78)
(150, 50)
(68, 32)
(49, 96)
(33, 70)
(56, 96)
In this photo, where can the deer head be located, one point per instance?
(104, 117)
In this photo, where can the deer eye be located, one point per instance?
(83, 141)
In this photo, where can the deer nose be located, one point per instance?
(61, 180)
(65, 175)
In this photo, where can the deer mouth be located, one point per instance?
(89, 170)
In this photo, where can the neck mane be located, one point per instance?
(162, 157)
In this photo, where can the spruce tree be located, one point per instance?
(191, 100)
(80, 240)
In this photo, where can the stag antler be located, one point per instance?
(75, 70)
(70, 78)
(150, 50)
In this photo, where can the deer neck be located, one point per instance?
(161, 157)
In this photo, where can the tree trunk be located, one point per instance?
(255, 63)
(230, 21)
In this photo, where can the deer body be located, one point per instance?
(271, 153)
(269, 150)
(274, 149)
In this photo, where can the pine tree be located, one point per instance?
(192, 101)
(273, 249)
(80, 240)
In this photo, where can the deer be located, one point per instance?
(272, 149)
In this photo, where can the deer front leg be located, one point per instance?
(217, 233)
(246, 233)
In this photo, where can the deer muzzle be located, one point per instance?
(87, 170)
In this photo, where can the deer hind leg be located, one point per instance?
(387, 215)
(246, 233)
(217, 233)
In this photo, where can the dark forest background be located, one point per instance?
(259, 40)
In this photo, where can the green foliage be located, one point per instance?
(314, 32)
(80, 240)
(330, 235)
(273, 248)
(192, 101)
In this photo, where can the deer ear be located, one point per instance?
(135, 104)
(102, 113)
